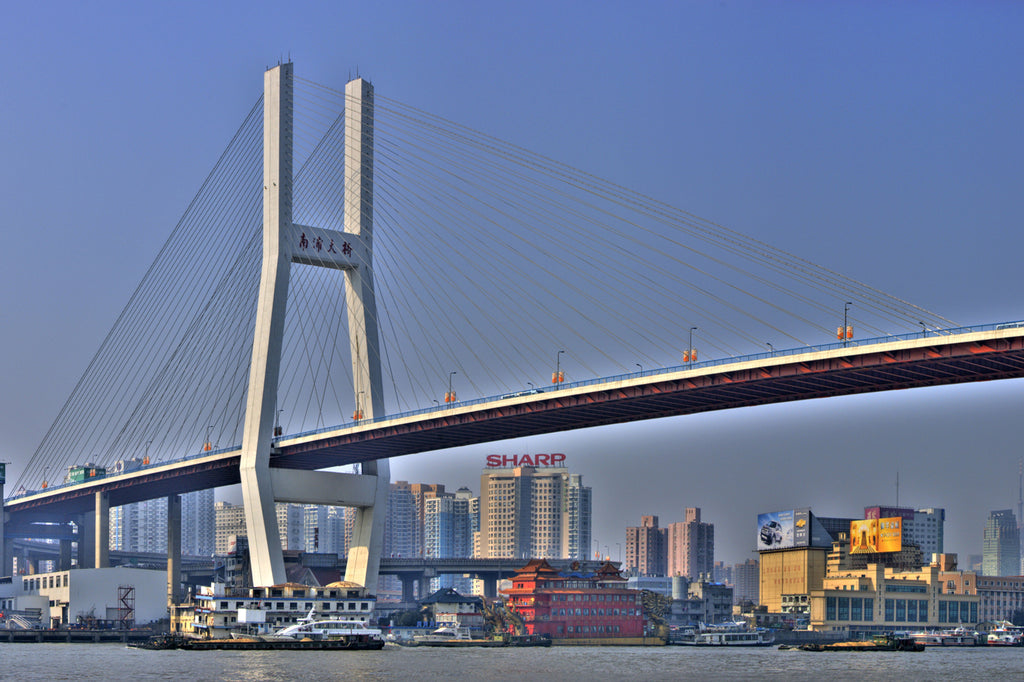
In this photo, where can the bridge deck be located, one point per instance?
(768, 378)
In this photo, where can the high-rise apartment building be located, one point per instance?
(1000, 544)
(289, 525)
(323, 529)
(142, 526)
(579, 510)
(691, 546)
(229, 520)
(526, 512)
(446, 527)
(421, 492)
(400, 521)
(647, 548)
(197, 523)
(746, 581)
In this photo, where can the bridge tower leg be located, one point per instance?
(363, 564)
(261, 485)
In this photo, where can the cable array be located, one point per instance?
(492, 265)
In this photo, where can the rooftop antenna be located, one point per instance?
(897, 488)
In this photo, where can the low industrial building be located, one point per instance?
(109, 597)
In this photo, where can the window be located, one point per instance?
(901, 610)
(844, 608)
(890, 610)
(922, 611)
(830, 608)
(856, 609)
(869, 609)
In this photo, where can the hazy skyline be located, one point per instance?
(882, 141)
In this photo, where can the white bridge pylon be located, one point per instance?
(350, 250)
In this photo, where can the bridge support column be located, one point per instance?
(7, 549)
(64, 563)
(101, 537)
(490, 586)
(408, 588)
(173, 550)
(86, 546)
(94, 535)
(6, 552)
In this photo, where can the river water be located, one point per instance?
(29, 662)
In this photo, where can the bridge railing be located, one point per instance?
(782, 352)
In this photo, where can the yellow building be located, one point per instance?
(880, 599)
(790, 573)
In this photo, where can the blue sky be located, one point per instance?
(882, 140)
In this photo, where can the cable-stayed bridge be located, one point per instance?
(413, 284)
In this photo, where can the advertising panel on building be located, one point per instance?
(873, 536)
(783, 530)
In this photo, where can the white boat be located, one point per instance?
(723, 634)
(1006, 636)
(445, 633)
(331, 628)
(953, 637)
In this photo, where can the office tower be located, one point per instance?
(1001, 544)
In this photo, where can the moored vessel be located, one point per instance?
(723, 634)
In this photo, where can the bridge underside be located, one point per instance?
(779, 379)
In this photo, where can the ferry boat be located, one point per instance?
(723, 634)
(954, 637)
(331, 629)
(453, 636)
(1006, 634)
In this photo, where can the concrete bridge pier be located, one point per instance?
(408, 588)
(7, 552)
(64, 562)
(94, 534)
(173, 550)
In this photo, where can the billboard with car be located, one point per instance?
(783, 530)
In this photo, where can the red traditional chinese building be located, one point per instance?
(575, 604)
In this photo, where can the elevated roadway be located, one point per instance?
(982, 353)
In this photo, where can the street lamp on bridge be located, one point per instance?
(640, 366)
(690, 355)
(770, 347)
(449, 397)
(845, 333)
(559, 376)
